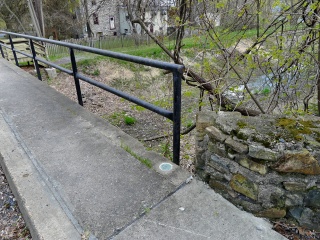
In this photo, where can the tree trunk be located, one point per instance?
(34, 18)
(318, 80)
(85, 3)
(39, 13)
(258, 19)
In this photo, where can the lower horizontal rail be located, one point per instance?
(153, 108)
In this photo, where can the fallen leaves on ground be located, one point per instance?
(293, 232)
(12, 225)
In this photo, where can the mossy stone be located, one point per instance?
(217, 185)
(262, 153)
(298, 162)
(253, 166)
(294, 186)
(243, 185)
(272, 213)
(295, 128)
(204, 120)
(216, 134)
(236, 146)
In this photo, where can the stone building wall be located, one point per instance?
(267, 165)
(104, 12)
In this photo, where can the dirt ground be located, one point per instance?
(12, 225)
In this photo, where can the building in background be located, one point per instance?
(111, 18)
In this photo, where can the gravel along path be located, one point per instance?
(12, 225)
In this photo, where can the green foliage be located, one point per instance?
(147, 210)
(165, 150)
(288, 110)
(128, 120)
(266, 91)
(241, 124)
(88, 65)
(116, 118)
(189, 123)
(96, 72)
(313, 108)
(138, 108)
(85, 63)
(144, 161)
(232, 54)
(162, 103)
(188, 93)
(151, 51)
(56, 57)
(2, 24)
(49, 81)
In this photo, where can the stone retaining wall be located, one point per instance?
(267, 165)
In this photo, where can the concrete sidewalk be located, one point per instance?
(72, 177)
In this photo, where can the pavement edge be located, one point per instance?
(42, 212)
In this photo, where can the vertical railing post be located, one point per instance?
(76, 80)
(2, 54)
(176, 115)
(34, 54)
(13, 51)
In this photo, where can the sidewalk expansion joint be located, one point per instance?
(118, 231)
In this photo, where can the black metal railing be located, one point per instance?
(177, 70)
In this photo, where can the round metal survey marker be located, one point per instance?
(165, 167)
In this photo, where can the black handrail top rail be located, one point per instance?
(122, 56)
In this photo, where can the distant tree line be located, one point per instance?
(62, 18)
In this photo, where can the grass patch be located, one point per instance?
(189, 123)
(49, 81)
(147, 210)
(116, 118)
(120, 117)
(144, 161)
(152, 50)
(138, 108)
(96, 72)
(241, 124)
(128, 120)
(58, 56)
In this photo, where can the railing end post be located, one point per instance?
(177, 75)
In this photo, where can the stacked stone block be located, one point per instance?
(267, 165)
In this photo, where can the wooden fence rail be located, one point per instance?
(23, 45)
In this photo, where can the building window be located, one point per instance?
(95, 18)
(112, 25)
(94, 2)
